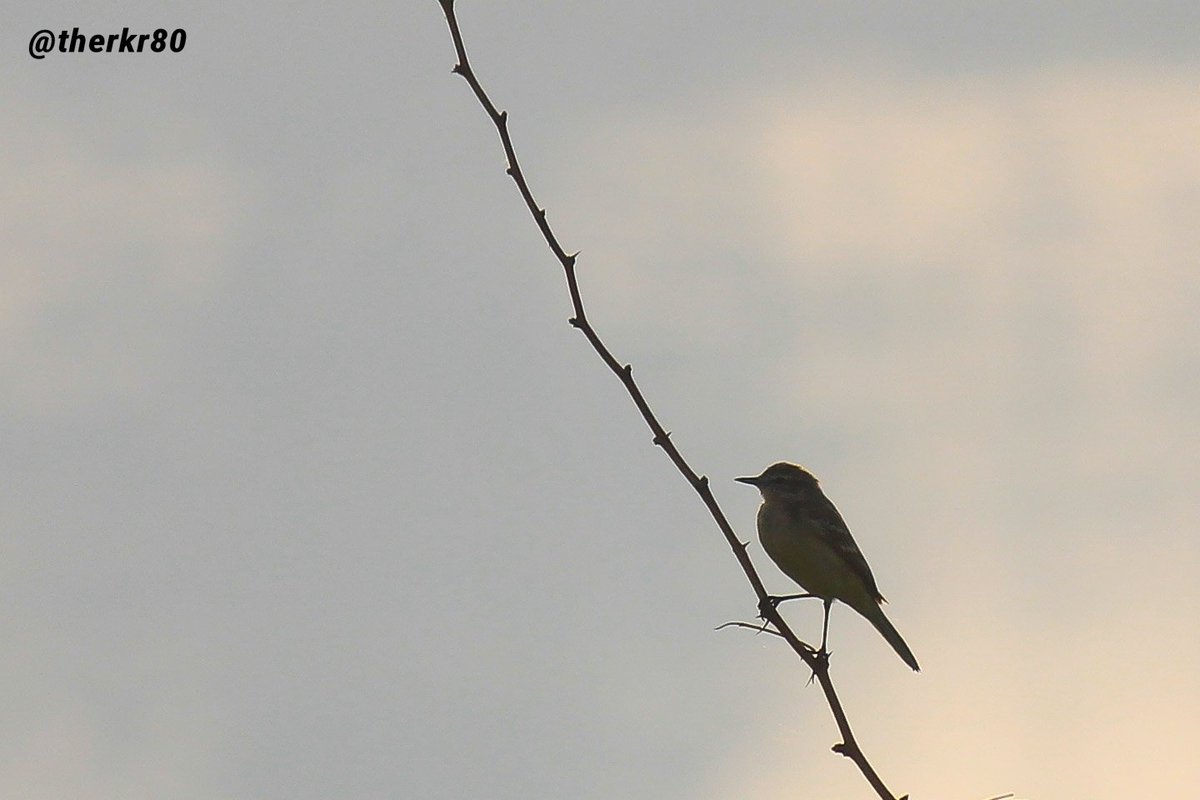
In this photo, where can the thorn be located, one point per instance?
(541, 212)
(661, 441)
(628, 370)
(575, 323)
(843, 749)
(569, 259)
(508, 171)
(458, 69)
(704, 481)
(503, 117)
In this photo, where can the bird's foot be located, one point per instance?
(821, 659)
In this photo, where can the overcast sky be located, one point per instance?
(311, 492)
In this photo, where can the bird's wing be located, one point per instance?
(836, 535)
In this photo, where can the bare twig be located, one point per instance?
(756, 628)
(661, 437)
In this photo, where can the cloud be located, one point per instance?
(1018, 247)
(106, 258)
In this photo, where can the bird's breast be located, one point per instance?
(794, 544)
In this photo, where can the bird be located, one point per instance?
(806, 537)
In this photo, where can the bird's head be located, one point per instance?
(783, 480)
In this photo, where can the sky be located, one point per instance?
(312, 492)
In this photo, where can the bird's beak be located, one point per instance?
(751, 481)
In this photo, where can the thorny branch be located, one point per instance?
(662, 438)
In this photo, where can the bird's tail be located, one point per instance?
(881, 623)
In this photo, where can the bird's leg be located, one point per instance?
(822, 655)
(772, 602)
(778, 600)
(825, 628)
(775, 600)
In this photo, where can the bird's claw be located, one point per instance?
(820, 664)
